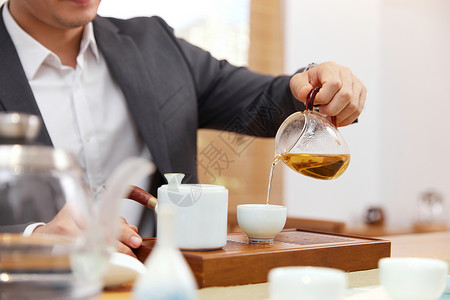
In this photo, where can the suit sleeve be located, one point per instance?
(235, 98)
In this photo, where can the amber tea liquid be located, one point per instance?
(319, 166)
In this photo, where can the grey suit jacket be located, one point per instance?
(172, 89)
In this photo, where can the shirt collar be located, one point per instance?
(88, 41)
(33, 55)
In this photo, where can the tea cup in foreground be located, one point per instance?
(307, 283)
(261, 222)
(413, 278)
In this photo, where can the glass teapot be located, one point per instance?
(36, 183)
(311, 145)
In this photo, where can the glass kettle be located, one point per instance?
(311, 145)
(36, 183)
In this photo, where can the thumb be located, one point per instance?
(300, 86)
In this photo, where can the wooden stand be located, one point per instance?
(242, 263)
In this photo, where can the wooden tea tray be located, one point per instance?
(242, 263)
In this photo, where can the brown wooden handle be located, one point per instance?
(310, 98)
(143, 197)
(334, 121)
(310, 103)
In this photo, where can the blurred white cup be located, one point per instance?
(413, 278)
(307, 283)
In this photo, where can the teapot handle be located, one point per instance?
(143, 197)
(310, 103)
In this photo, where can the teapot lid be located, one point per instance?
(174, 183)
(35, 158)
(19, 128)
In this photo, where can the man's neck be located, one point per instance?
(64, 42)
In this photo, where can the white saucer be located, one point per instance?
(122, 268)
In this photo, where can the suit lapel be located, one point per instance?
(129, 70)
(16, 94)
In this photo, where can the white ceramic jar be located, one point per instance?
(201, 213)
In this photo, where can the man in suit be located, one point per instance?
(108, 89)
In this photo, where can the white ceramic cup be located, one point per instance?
(413, 278)
(261, 222)
(201, 213)
(307, 283)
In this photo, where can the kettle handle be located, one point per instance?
(310, 103)
(143, 197)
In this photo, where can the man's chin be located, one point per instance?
(80, 13)
(76, 22)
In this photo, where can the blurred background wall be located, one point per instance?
(349, 33)
(400, 146)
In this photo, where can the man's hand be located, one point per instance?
(128, 238)
(341, 93)
(69, 222)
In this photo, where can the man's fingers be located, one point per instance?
(300, 86)
(350, 119)
(125, 223)
(326, 76)
(353, 109)
(134, 228)
(122, 248)
(329, 77)
(341, 93)
(128, 235)
(346, 100)
(65, 223)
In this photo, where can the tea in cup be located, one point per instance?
(261, 222)
(413, 278)
(307, 283)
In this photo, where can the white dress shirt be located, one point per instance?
(84, 109)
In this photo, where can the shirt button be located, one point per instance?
(87, 138)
